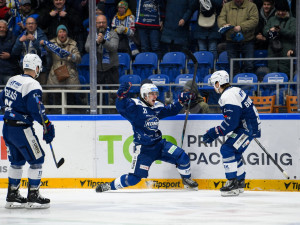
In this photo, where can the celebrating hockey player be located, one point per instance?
(21, 109)
(240, 117)
(144, 114)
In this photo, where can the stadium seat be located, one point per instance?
(205, 64)
(269, 90)
(246, 78)
(159, 80)
(84, 68)
(144, 64)
(135, 80)
(292, 104)
(173, 63)
(260, 54)
(223, 62)
(264, 104)
(124, 63)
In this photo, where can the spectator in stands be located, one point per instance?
(8, 64)
(148, 25)
(206, 30)
(266, 12)
(123, 24)
(281, 30)
(107, 52)
(243, 15)
(131, 5)
(62, 14)
(291, 53)
(198, 105)
(29, 42)
(66, 64)
(4, 10)
(175, 30)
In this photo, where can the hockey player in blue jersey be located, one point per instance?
(19, 102)
(242, 119)
(144, 114)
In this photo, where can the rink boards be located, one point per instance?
(99, 148)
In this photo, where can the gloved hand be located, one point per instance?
(185, 97)
(238, 37)
(120, 29)
(49, 134)
(211, 135)
(124, 89)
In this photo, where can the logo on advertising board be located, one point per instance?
(155, 184)
(292, 186)
(220, 184)
(90, 183)
(3, 155)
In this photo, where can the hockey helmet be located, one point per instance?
(31, 61)
(147, 88)
(220, 76)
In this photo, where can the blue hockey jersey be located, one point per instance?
(145, 119)
(18, 99)
(239, 113)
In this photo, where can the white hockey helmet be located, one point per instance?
(147, 88)
(220, 76)
(31, 61)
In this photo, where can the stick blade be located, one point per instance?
(61, 161)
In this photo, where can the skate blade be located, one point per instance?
(34, 205)
(241, 190)
(230, 193)
(190, 188)
(14, 205)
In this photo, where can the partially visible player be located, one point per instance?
(144, 114)
(240, 117)
(21, 109)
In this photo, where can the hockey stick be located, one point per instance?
(262, 147)
(62, 160)
(193, 58)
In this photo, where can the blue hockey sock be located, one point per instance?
(34, 175)
(15, 175)
(124, 181)
(183, 165)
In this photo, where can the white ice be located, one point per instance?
(154, 207)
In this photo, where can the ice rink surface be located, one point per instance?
(153, 207)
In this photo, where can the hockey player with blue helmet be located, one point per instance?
(144, 114)
(19, 101)
(242, 119)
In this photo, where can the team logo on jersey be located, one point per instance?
(150, 6)
(152, 123)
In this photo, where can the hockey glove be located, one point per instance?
(211, 135)
(185, 97)
(124, 89)
(49, 134)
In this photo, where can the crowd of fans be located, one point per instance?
(58, 30)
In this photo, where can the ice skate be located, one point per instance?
(103, 187)
(188, 183)
(230, 188)
(14, 200)
(35, 200)
(241, 185)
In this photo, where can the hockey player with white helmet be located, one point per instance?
(144, 114)
(19, 101)
(242, 119)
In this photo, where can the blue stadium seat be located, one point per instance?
(223, 62)
(275, 78)
(173, 63)
(248, 78)
(124, 63)
(144, 64)
(134, 79)
(205, 64)
(260, 54)
(159, 80)
(84, 68)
